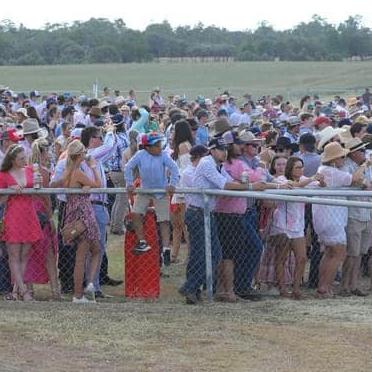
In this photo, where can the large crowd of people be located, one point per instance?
(224, 143)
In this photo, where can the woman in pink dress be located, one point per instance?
(21, 224)
(42, 267)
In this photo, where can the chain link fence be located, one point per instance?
(274, 248)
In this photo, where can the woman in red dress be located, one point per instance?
(42, 263)
(21, 225)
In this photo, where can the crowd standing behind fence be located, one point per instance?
(235, 245)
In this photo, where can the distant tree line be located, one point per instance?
(103, 41)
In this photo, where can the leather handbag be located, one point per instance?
(71, 231)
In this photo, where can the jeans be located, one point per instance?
(102, 219)
(196, 266)
(248, 258)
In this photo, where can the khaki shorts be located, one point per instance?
(142, 201)
(358, 237)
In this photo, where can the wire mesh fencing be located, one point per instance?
(281, 245)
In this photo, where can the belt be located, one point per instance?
(195, 208)
(97, 202)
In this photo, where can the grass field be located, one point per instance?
(292, 79)
(167, 335)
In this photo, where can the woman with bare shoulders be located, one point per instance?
(79, 207)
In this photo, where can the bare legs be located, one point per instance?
(331, 260)
(79, 269)
(298, 246)
(179, 228)
(18, 254)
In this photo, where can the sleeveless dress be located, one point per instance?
(36, 270)
(79, 207)
(21, 224)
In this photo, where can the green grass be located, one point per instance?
(292, 79)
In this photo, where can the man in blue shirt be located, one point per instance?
(202, 131)
(153, 165)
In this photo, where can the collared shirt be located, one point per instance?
(245, 118)
(311, 163)
(293, 137)
(228, 204)
(201, 135)
(153, 170)
(101, 154)
(114, 163)
(357, 213)
(255, 174)
(186, 181)
(207, 176)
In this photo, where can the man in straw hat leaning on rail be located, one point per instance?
(330, 221)
(359, 225)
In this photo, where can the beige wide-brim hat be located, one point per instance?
(248, 137)
(333, 151)
(326, 135)
(345, 134)
(31, 126)
(355, 144)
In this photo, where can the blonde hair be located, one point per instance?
(74, 150)
(38, 147)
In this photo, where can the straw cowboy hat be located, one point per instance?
(333, 151)
(362, 119)
(355, 144)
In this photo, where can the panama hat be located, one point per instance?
(31, 126)
(333, 151)
(355, 144)
(247, 137)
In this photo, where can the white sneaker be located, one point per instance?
(82, 300)
(89, 289)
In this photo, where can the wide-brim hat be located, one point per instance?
(219, 127)
(355, 144)
(345, 134)
(326, 135)
(31, 126)
(247, 137)
(333, 151)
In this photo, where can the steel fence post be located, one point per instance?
(208, 247)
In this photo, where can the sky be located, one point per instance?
(232, 14)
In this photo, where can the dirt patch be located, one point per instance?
(137, 336)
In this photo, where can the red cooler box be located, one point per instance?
(142, 272)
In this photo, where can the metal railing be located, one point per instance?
(311, 196)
